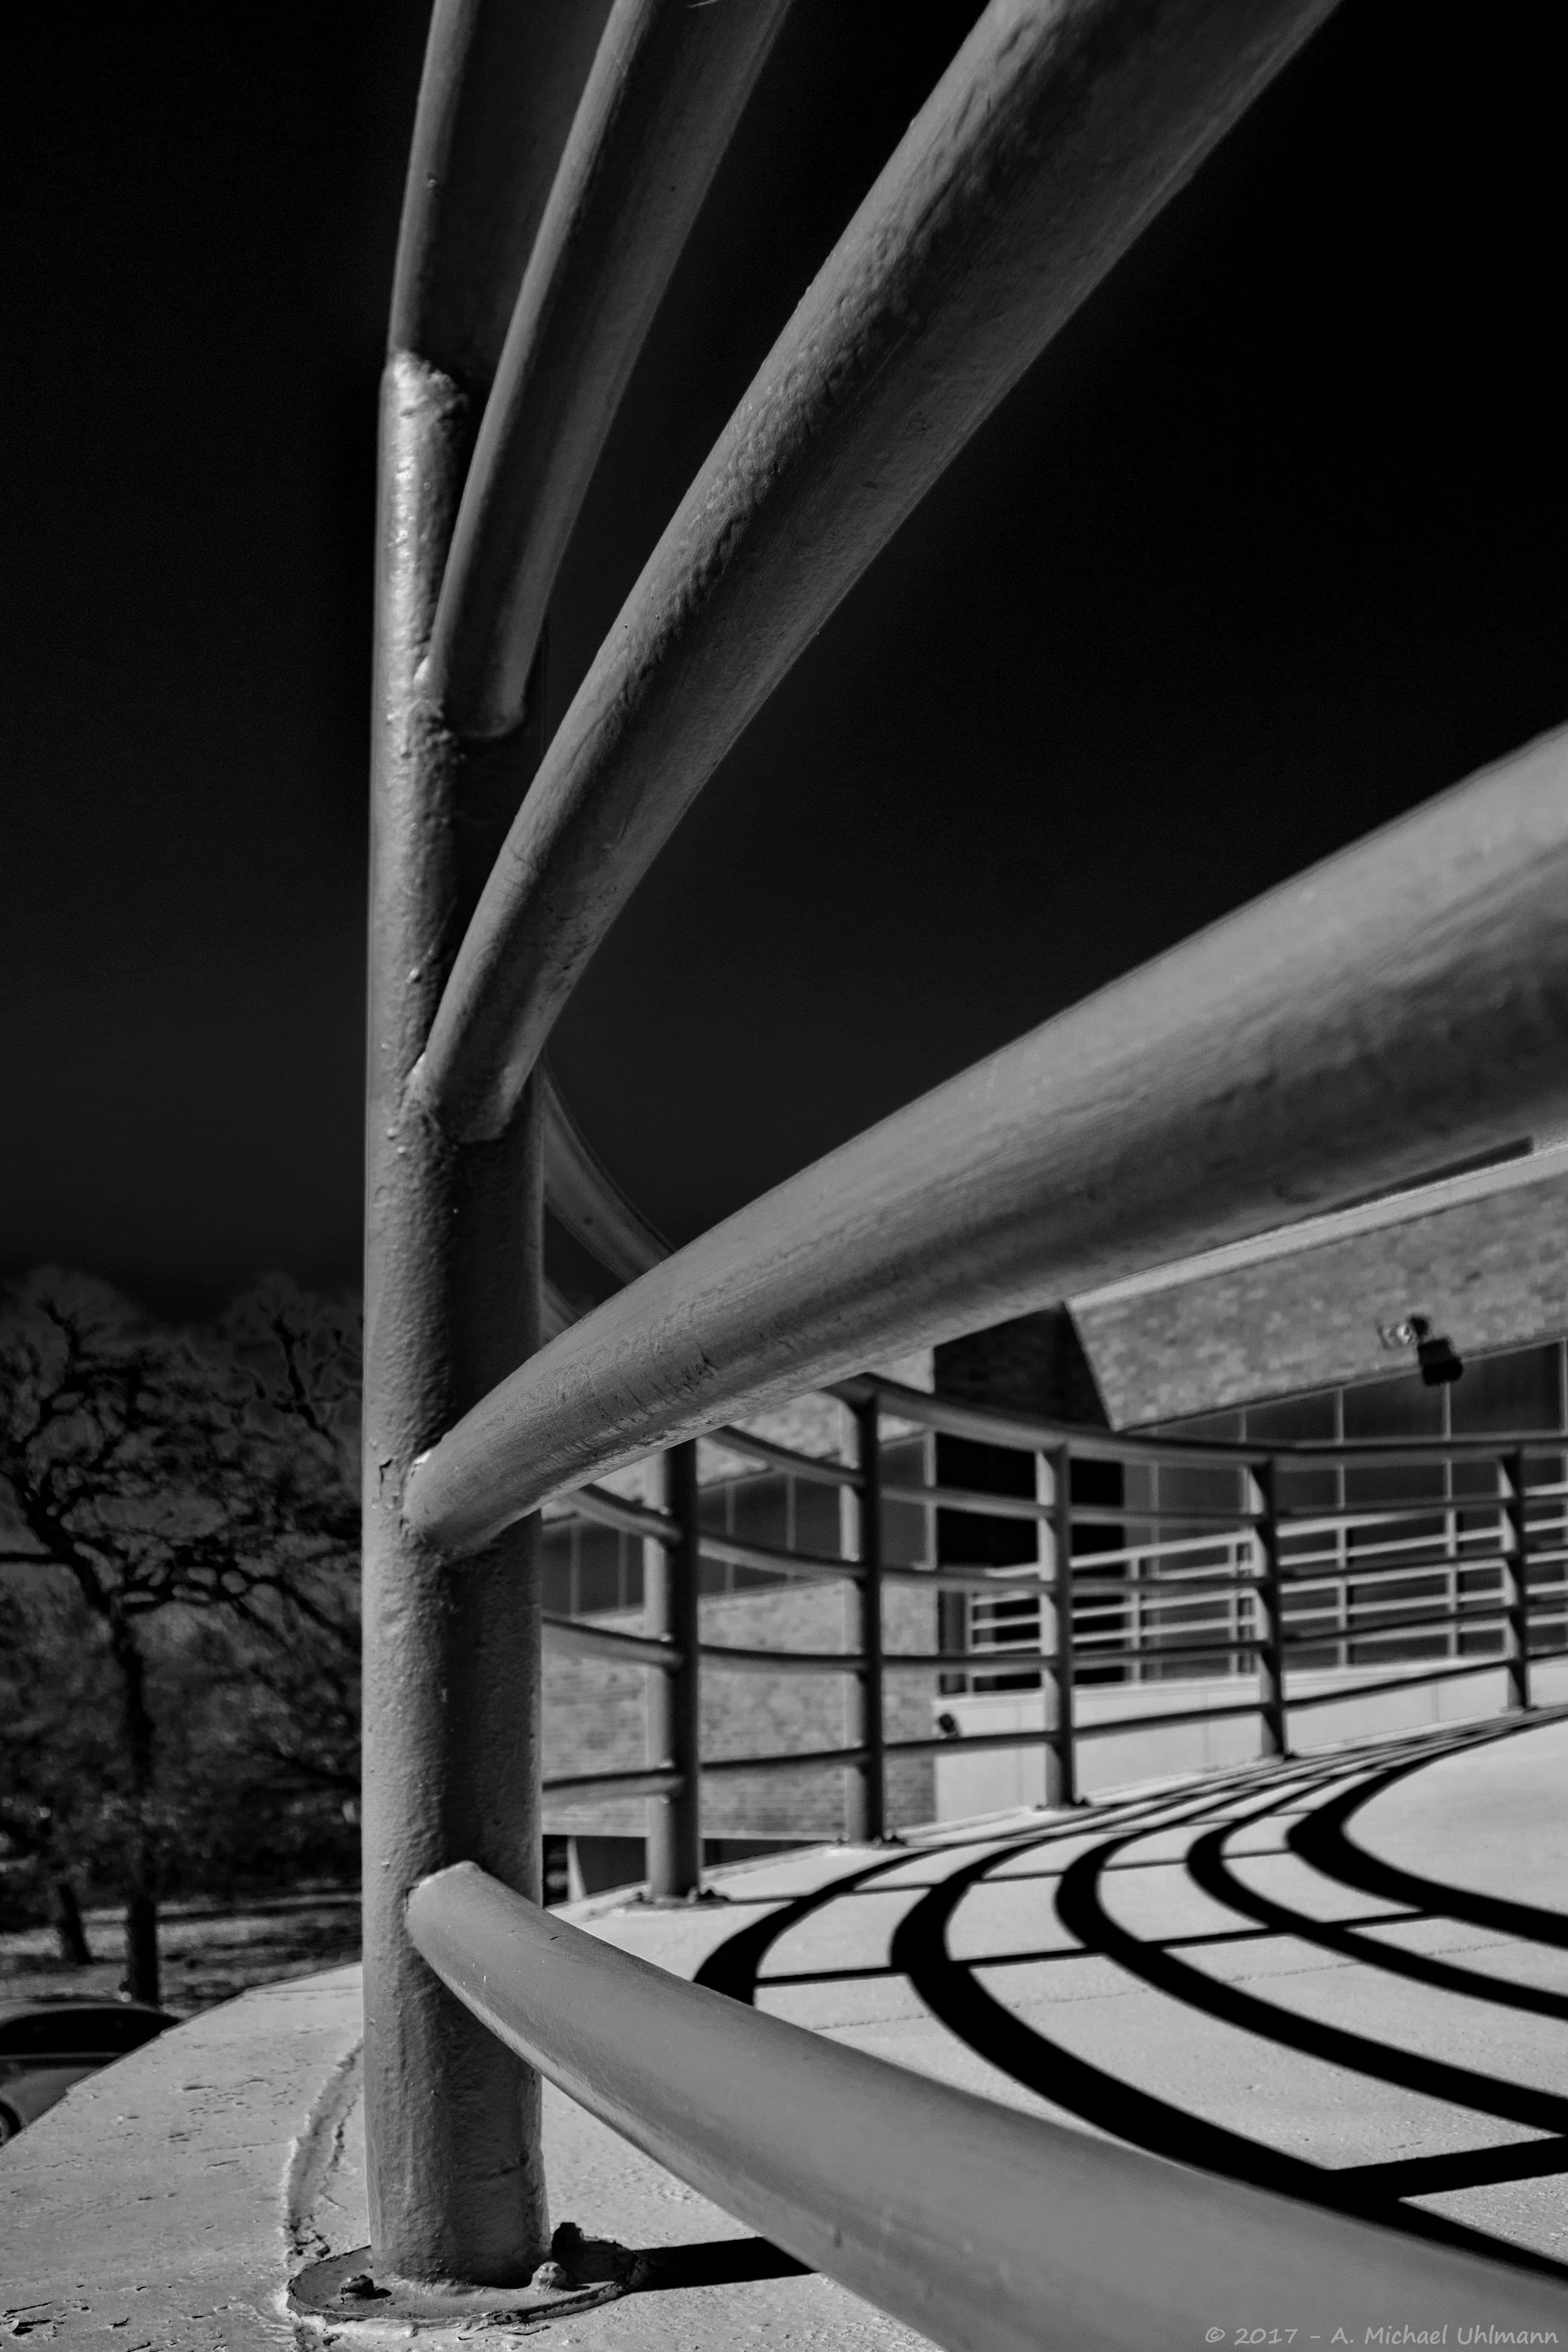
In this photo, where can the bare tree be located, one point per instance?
(56, 1759)
(160, 1476)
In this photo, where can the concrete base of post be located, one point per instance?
(344, 2292)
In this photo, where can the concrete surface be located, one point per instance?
(1300, 2012)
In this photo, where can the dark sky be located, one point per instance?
(1268, 549)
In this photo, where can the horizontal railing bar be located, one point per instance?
(782, 1661)
(1435, 1572)
(994, 1583)
(808, 1565)
(1375, 1564)
(786, 1457)
(1411, 990)
(815, 1758)
(633, 1518)
(1173, 1550)
(1026, 1433)
(1117, 1515)
(1390, 1628)
(1085, 1730)
(1041, 155)
(736, 1554)
(978, 1500)
(929, 1661)
(836, 1662)
(1392, 1453)
(587, 1198)
(1172, 1646)
(497, 97)
(661, 105)
(1310, 1520)
(943, 1743)
(825, 2150)
(1201, 1583)
(1397, 1682)
(576, 1638)
(658, 1780)
(1405, 1556)
(982, 1504)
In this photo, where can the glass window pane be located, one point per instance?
(1292, 1417)
(599, 1570)
(760, 1510)
(1520, 1389)
(816, 1518)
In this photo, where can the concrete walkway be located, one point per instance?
(1345, 1978)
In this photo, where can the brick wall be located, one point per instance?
(1034, 1363)
(594, 1717)
(1491, 1271)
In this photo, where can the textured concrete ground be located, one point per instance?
(1346, 1978)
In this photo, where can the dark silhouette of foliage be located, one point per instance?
(185, 1532)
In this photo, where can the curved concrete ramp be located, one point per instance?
(1345, 1977)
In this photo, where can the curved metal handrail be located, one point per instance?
(1329, 1030)
(1052, 140)
(1027, 2233)
(499, 89)
(1410, 994)
(661, 102)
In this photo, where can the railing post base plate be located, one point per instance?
(343, 2291)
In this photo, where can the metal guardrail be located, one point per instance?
(1251, 1592)
(1413, 993)
(1025, 2234)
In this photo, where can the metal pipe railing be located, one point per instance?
(866, 1796)
(454, 1296)
(1052, 140)
(1408, 996)
(1369, 1007)
(1025, 2234)
(674, 1696)
(661, 105)
(1078, 1620)
(499, 89)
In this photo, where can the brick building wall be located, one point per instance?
(594, 1719)
(1485, 1257)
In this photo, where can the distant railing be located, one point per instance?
(1249, 1591)
(1409, 997)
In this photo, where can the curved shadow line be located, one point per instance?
(1082, 1913)
(1043, 2066)
(1209, 1870)
(1321, 1843)
(733, 1966)
(1475, 2167)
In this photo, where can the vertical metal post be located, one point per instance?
(452, 1300)
(670, 1595)
(1270, 1615)
(1515, 1583)
(864, 1795)
(1053, 1485)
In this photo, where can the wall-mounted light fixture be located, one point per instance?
(1439, 1359)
